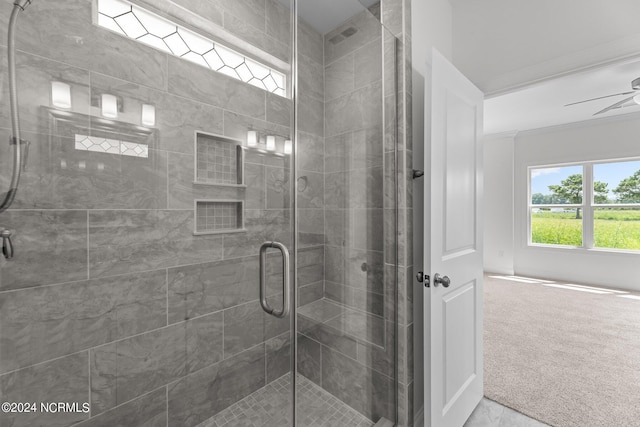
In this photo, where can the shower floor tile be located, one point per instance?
(270, 406)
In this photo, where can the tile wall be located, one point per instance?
(111, 299)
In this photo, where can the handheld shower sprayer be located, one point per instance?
(14, 141)
(22, 4)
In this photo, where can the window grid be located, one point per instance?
(141, 25)
(588, 205)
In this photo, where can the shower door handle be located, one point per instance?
(286, 297)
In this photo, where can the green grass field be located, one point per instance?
(619, 229)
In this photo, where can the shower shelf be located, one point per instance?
(219, 161)
(218, 217)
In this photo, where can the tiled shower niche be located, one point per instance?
(218, 216)
(219, 160)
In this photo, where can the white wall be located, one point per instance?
(501, 44)
(610, 138)
(431, 26)
(498, 204)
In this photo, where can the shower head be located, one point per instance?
(22, 4)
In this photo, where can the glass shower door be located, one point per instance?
(346, 236)
(158, 166)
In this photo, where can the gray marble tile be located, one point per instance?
(310, 274)
(202, 394)
(365, 188)
(256, 36)
(367, 227)
(337, 227)
(137, 240)
(310, 293)
(339, 77)
(212, 11)
(362, 388)
(64, 31)
(337, 152)
(34, 88)
(511, 418)
(310, 153)
(204, 341)
(362, 326)
(199, 83)
(206, 288)
(102, 369)
(366, 150)
(356, 110)
(311, 227)
(365, 270)
(311, 77)
(278, 187)
(50, 247)
(380, 358)
(309, 359)
(336, 190)
(337, 292)
(63, 319)
(61, 380)
(368, 63)
(311, 115)
(278, 21)
(278, 354)
(148, 361)
(262, 226)
(368, 28)
(310, 190)
(182, 191)
(321, 311)
(310, 42)
(328, 336)
(279, 110)
(334, 268)
(149, 410)
(364, 300)
(244, 327)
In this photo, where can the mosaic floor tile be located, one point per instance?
(270, 406)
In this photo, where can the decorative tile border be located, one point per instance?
(111, 146)
(141, 25)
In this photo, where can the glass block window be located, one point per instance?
(110, 146)
(139, 24)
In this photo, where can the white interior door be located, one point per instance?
(453, 304)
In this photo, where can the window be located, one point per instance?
(588, 205)
(145, 27)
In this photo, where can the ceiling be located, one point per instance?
(543, 104)
(325, 15)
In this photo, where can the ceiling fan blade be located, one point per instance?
(614, 106)
(601, 97)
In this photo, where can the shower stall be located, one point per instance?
(206, 228)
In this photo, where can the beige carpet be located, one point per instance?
(563, 356)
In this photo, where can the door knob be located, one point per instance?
(444, 280)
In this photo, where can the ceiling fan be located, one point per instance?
(635, 85)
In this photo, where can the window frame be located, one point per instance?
(588, 206)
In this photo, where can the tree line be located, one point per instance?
(569, 191)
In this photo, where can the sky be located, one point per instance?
(611, 173)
